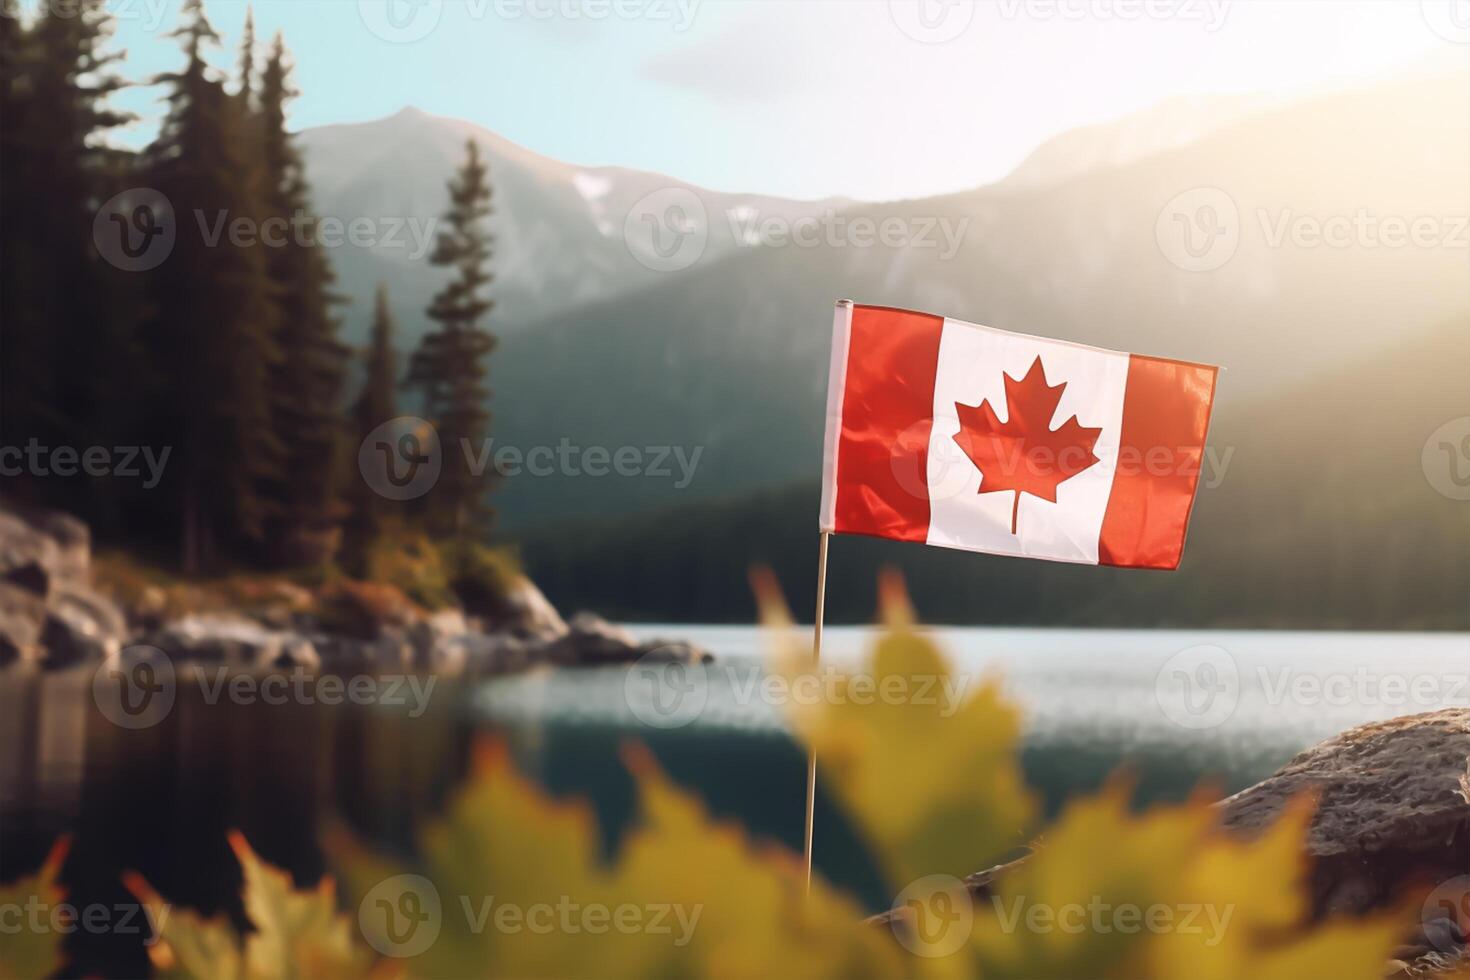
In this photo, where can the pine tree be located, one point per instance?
(377, 402)
(64, 342)
(449, 364)
(245, 73)
(308, 385)
(214, 333)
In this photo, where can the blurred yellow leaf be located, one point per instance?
(30, 942)
(522, 892)
(923, 756)
(298, 934)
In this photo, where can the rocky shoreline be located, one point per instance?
(53, 616)
(1392, 824)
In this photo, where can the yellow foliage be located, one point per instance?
(512, 883)
(519, 890)
(27, 952)
(298, 934)
(926, 765)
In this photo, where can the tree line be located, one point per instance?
(226, 352)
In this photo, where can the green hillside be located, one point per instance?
(1324, 517)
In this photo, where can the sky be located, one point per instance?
(867, 99)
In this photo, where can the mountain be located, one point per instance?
(559, 227)
(1316, 513)
(728, 357)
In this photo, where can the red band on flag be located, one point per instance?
(1166, 416)
(887, 415)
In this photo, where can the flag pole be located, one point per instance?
(811, 757)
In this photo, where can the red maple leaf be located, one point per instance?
(1024, 453)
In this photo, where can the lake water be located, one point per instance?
(1235, 700)
(1177, 708)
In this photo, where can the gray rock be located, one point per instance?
(81, 627)
(46, 556)
(1393, 818)
(526, 612)
(1393, 809)
(39, 548)
(27, 556)
(22, 616)
(226, 638)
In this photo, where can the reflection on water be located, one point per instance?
(159, 799)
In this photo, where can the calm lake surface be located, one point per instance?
(1176, 707)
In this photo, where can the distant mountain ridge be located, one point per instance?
(727, 355)
(730, 355)
(558, 226)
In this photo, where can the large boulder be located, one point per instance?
(49, 612)
(22, 617)
(81, 627)
(524, 611)
(1393, 808)
(1392, 822)
(591, 641)
(233, 640)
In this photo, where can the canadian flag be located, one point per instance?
(968, 437)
